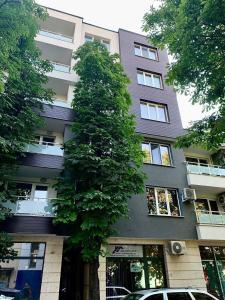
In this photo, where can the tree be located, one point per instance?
(194, 33)
(22, 90)
(103, 160)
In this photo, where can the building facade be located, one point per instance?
(140, 255)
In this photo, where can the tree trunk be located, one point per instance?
(91, 281)
(86, 281)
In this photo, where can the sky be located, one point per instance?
(115, 14)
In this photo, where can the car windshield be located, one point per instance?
(133, 297)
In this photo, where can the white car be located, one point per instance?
(116, 292)
(170, 294)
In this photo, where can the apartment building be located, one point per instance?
(161, 223)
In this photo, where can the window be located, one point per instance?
(149, 79)
(24, 276)
(197, 161)
(162, 201)
(155, 297)
(158, 154)
(154, 111)
(207, 206)
(145, 270)
(45, 140)
(147, 52)
(90, 38)
(201, 296)
(178, 295)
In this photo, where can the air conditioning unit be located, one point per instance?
(177, 248)
(221, 199)
(189, 194)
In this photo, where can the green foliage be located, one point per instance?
(6, 250)
(194, 33)
(22, 91)
(103, 159)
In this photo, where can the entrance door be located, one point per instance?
(213, 262)
(211, 277)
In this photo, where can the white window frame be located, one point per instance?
(150, 151)
(167, 201)
(41, 137)
(150, 49)
(99, 39)
(152, 77)
(157, 105)
(33, 188)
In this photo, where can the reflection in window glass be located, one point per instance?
(162, 201)
(156, 159)
(152, 54)
(140, 78)
(25, 271)
(161, 114)
(145, 52)
(151, 201)
(137, 50)
(156, 81)
(148, 80)
(147, 153)
(152, 112)
(144, 110)
(173, 202)
(165, 156)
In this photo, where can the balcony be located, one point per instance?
(205, 177)
(55, 35)
(60, 67)
(47, 148)
(25, 205)
(211, 225)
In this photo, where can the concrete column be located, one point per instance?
(52, 269)
(102, 277)
(186, 270)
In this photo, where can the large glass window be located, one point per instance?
(147, 52)
(21, 278)
(158, 154)
(145, 270)
(162, 201)
(213, 262)
(149, 79)
(154, 111)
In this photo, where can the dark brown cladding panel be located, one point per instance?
(167, 96)
(57, 112)
(43, 161)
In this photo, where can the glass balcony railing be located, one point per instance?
(210, 217)
(25, 205)
(60, 67)
(205, 169)
(47, 148)
(55, 35)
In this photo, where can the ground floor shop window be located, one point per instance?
(21, 278)
(135, 267)
(213, 262)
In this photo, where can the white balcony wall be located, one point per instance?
(211, 232)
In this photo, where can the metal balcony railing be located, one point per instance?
(205, 169)
(46, 148)
(60, 67)
(25, 205)
(56, 35)
(210, 217)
